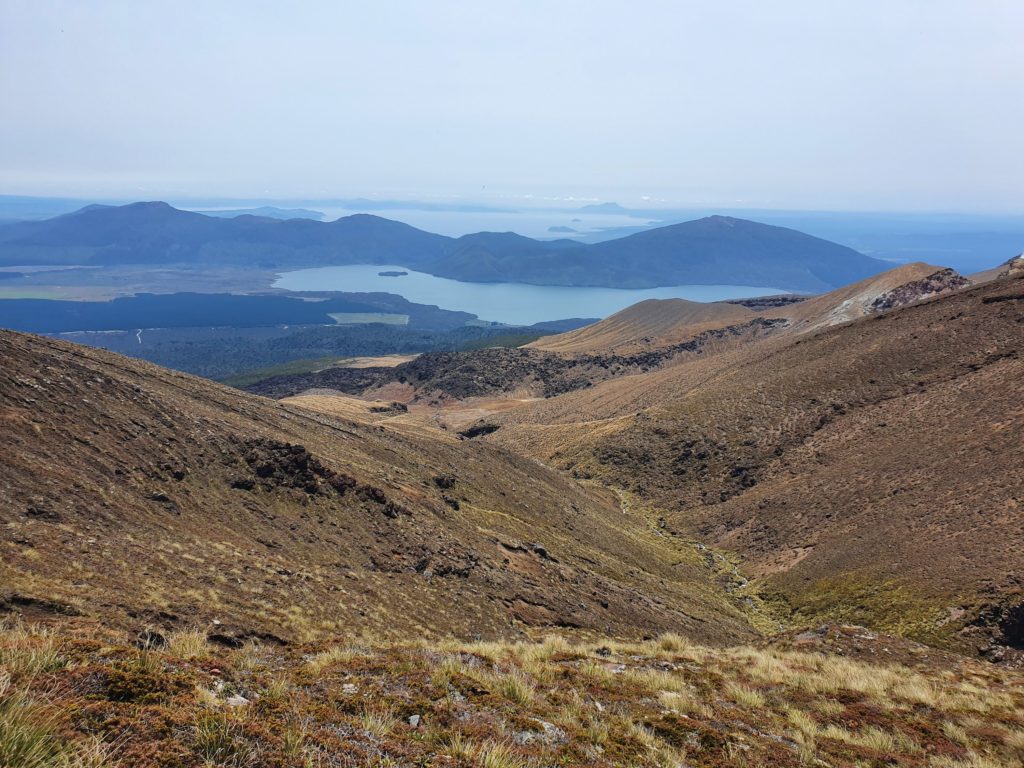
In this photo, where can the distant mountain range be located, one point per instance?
(267, 211)
(711, 250)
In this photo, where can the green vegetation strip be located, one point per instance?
(285, 369)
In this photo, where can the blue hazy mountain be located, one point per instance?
(611, 208)
(269, 212)
(711, 250)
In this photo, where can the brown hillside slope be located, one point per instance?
(600, 406)
(655, 322)
(871, 470)
(1008, 268)
(647, 336)
(138, 495)
(899, 286)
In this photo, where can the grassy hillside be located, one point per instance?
(134, 494)
(841, 697)
(711, 552)
(866, 471)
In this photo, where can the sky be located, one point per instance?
(813, 104)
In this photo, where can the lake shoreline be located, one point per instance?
(510, 303)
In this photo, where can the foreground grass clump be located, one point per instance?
(30, 713)
(188, 644)
(97, 701)
(26, 737)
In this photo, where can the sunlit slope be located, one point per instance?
(136, 495)
(659, 323)
(870, 470)
(655, 322)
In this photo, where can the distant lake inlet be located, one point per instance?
(512, 303)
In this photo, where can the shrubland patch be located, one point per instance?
(661, 702)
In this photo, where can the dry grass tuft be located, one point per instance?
(497, 755)
(220, 739)
(188, 644)
(670, 642)
(513, 685)
(29, 735)
(973, 760)
(744, 696)
(378, 722)
(27, 651)
(337, 654)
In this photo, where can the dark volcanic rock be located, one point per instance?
(768, 302)
(147, 639)
(478, 430)
(445, 480)
(390, 408)
(488, 372)
(943, 281)
(351, 381)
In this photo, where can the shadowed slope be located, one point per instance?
(714, 249)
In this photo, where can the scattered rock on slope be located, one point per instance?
(943, 281)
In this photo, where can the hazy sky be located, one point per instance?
(887, 104)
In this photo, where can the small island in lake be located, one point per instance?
(392, 273)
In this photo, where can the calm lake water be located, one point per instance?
(512, 303)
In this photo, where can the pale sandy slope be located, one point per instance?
(655, 322)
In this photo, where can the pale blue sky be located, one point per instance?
(866, 104)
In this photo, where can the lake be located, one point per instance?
(512, 303)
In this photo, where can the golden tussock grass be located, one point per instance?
(661, 702)
(188, 644)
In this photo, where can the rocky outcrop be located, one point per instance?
(768, 302)
(943, 281)
(437, 376)
(1014, 267)
(350, 381)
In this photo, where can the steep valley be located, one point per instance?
(512, 385)
(784, 534)
(855, 451)
(867, 471)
